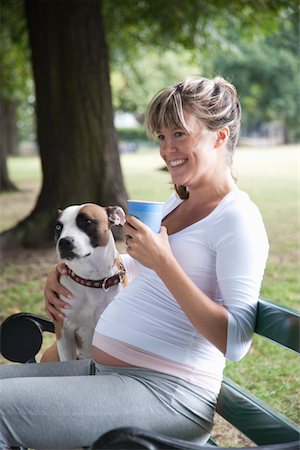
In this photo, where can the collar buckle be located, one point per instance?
(103, 286)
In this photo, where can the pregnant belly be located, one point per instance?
(102, 357)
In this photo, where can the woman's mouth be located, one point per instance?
(177, 163)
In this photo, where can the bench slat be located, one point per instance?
(279, 324)
(253, 417)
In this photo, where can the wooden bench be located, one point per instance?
(21, 339)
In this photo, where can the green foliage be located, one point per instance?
(158, 42)
(266, 72)
(166, 23)
(14, 51)
(132, 134)
(135, 81)
(16, 74)
(257, 48)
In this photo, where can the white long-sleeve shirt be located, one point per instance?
(225, 255)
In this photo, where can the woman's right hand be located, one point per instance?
(52, 292)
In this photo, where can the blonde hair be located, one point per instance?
(213, 101)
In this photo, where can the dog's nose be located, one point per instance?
(66, 248)
(66, 244)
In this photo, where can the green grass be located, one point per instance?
(271, 373)
(26, 168)
(144, 178)
(270, 177)
(29, 299)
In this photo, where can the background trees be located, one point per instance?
(77, 141)
(15, 82)
(151, 43)
(266, 71)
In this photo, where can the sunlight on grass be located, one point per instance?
(144, 177)
(26, 168)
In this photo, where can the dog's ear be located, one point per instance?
(116, 215)
(59, 211)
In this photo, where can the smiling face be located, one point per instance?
(192, 157)
(188, 117)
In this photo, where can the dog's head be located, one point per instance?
(80, 229)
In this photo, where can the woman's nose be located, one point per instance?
(168, 145)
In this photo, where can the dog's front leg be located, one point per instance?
(84, 342)
(66, 344)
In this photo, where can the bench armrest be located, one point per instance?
(21, 336)
(135, 438)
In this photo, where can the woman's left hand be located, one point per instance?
(149, 248)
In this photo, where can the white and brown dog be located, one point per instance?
(85, 243)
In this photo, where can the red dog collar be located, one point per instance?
(104, 284)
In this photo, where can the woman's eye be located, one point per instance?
(178, 133)
(160, 137)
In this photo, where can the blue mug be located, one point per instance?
(150, 213)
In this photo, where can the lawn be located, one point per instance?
(269, 175)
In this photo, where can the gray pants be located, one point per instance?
(60, 406)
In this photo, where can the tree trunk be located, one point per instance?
(76, 135)
(8, 141)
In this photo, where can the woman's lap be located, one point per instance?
(55, 369)
(43, 411)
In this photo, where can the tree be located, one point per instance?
(77, 140)
(8, 141)
(266, 73)
(135, 81)
(258, 50)
(15, 69)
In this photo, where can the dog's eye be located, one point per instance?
(85, 222)
(88, 222)
(58, 227)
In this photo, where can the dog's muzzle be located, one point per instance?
(66, 248)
